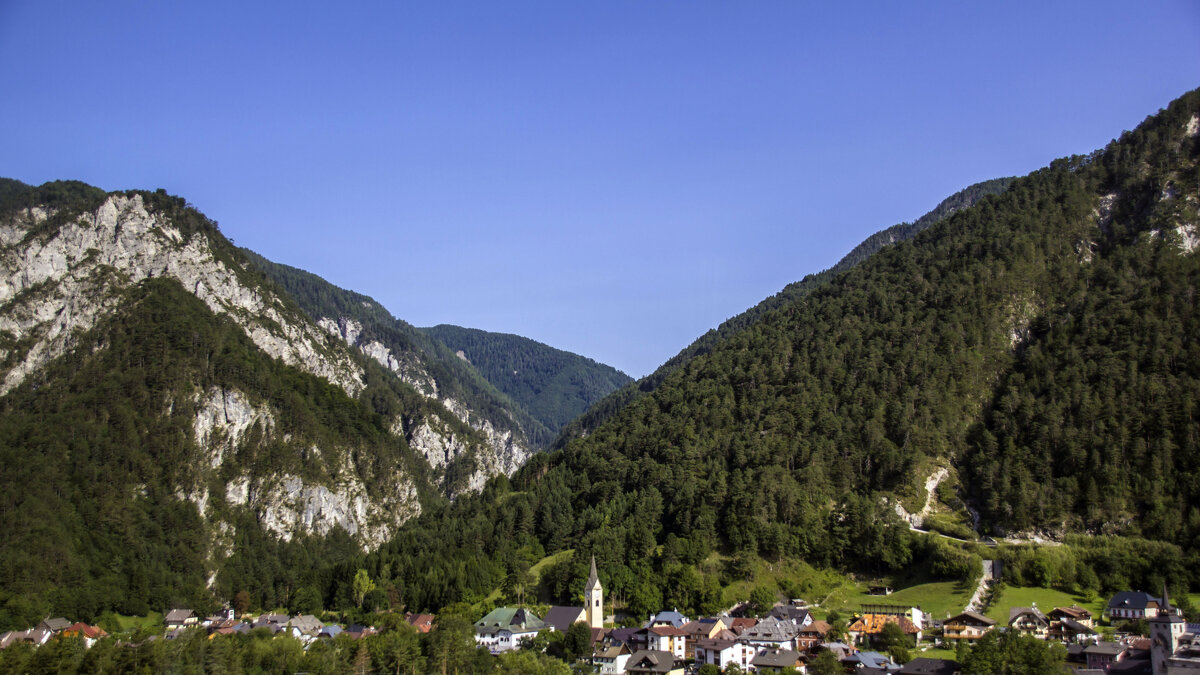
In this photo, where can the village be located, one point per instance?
(880, 638)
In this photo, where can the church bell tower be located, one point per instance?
(593, 598)
(1165, 630)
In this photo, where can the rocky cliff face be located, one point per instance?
(58, 279)
(56, 286)
(501, 452)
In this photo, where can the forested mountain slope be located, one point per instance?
(174, 428)
(607, 407)
(553, 385)
(1041, 342)
(423, 362)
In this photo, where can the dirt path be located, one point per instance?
(976, 601)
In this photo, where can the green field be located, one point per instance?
(1046, 599)
(938, 598)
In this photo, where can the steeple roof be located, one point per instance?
(593, 578)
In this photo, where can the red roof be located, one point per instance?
(91, 632)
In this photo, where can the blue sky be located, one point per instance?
(612, 178)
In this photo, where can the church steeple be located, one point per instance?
(1165, 631)
(593, 578)
(593, 598)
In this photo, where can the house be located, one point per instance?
(771, 633)
(89, 633)
(653, 662)
(869, 625)
(1070, 630)
(1132, 605)
(422, 622)
(738, 625)
(561, 618)
(1029, 621)
(667, 639)
(812, 635)
(504, 628)
(924, 666)
(1074, 612)
(863, 660)
(701, 629)
(840, 649)
(968, 626)
(55, 625)
(272, 622)
(797, 615)
(330, 631)
(722, 653)
(634, 638)
(775, 660)
(220, 618)
(34, 636)
(913, 614)
(305, 625)
(611, 660)
(180, 618)
(1103, 655)
(671, 618)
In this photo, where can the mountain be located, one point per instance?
(175, 428)
(1039, 347)
(424, 363)
(553, 385)
(605, 408)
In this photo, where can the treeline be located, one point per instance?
(397, 648)
(553, 385)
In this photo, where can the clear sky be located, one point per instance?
(612, 178)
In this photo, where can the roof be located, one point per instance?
(330, 630)
(740, 624)
(612, 652)
(561, 618)
(306, 623)
(816, 628)
(1016, 612)
(1075, 627)
(771, 629)
(593, 578)
(1104, 648)
(651, 660)
(623, 635)
(672, 617)
(666, 630)
(514, 619)
(56, 624)
(178, 615)
(715, 644)
(871, 624)
(925, 666)
(422, 622)
(789, 612)
(776, 658)
(973, 616)
(1074, 611)
(85, 630)
(1132, 600)
(869, 659)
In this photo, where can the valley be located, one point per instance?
(1008, 384)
